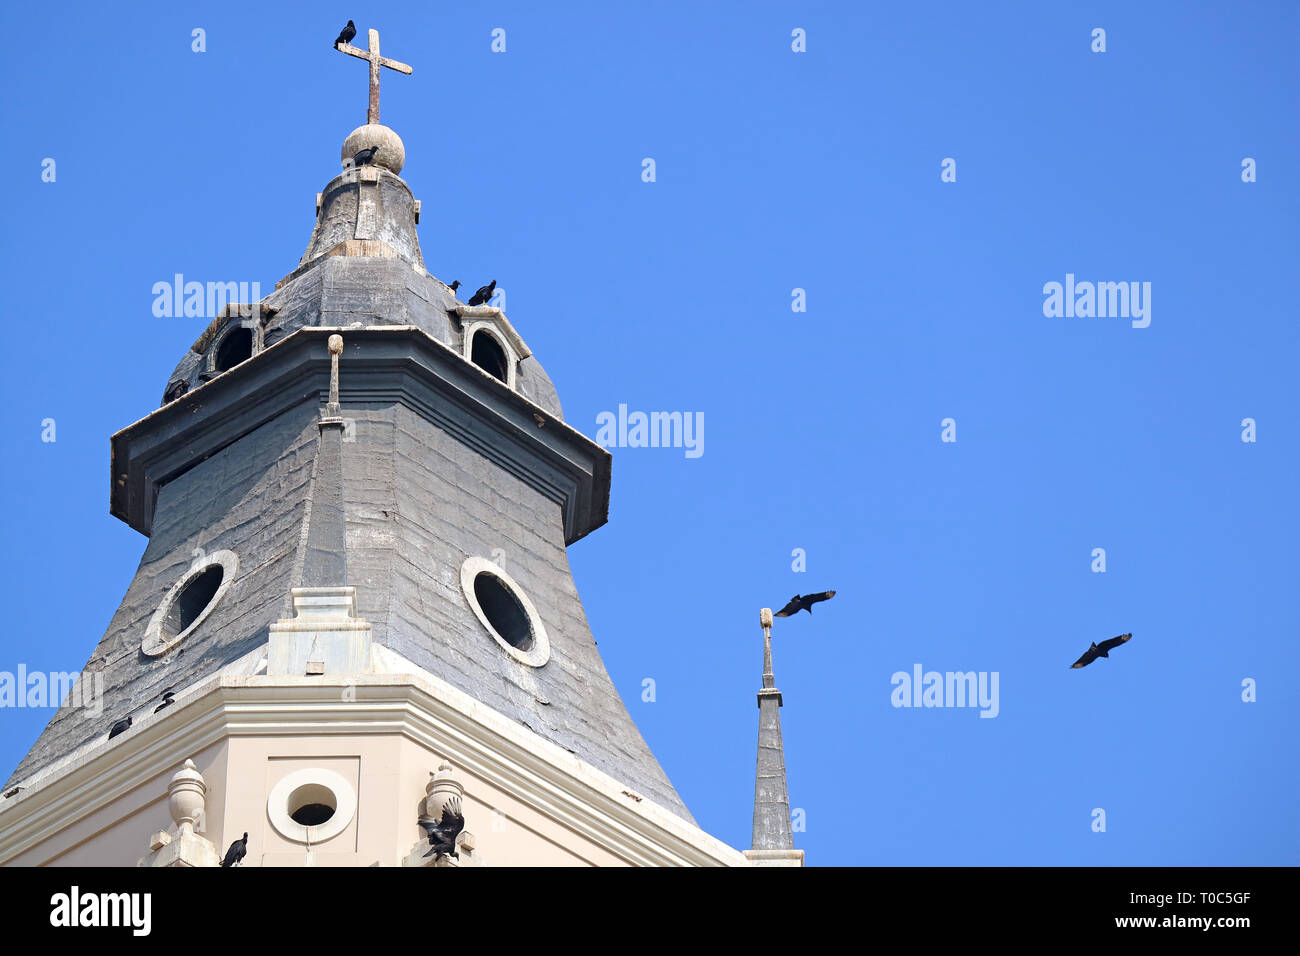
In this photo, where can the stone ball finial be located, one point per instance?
(391, 154)
(186, 796)
(336, 345)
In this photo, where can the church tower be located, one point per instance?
(355, 612)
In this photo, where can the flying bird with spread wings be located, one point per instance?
(1100, 650)
(442, 835)
(804, 603)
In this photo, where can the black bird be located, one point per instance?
(167, 701)
(238, 850)
(442, 836)
(346, 35)
(483, 294)
(454, 286)
(365, 157)
(175, 391)
(119, 727)
(803, 603)
(1100, 650)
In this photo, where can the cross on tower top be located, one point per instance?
(376, 61)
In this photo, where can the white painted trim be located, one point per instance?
(540, 652)
(407, 701)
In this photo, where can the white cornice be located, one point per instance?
(412, 703)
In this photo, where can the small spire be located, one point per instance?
(771, 797)
(325, 559)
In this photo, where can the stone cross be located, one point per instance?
(376, 61)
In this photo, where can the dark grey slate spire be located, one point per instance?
(423, 463)
(771, 798)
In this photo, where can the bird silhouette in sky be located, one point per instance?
(1100, 650)
(803, 603)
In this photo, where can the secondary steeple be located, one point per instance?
(773, 841)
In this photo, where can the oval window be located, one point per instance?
(505, 611)
(189, 602)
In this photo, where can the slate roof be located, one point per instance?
(441, 462)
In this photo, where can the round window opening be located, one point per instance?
(189, 602)
(312, 805)
(505, 611)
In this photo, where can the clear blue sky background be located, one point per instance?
(775, 170)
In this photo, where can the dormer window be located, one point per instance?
(236, 347)
(487, 352)
(492, 345)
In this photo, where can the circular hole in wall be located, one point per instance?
(312, 805)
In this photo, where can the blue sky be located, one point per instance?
(775, 170)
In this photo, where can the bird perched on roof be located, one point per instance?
(804, 603)
(175, 391)
(365, 157)
(454, 286)
(1100, 650)
(119, 727)
(238, 850)
(442, 835)
(483, 294)
(346, 35)
(167, 701)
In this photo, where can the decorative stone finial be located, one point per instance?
(442, 786)
(336, 349)
(186, 796)
(186, 801)
(765, 619)
(443, 790)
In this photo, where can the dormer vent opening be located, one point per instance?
(490, 355)
(236, 347)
